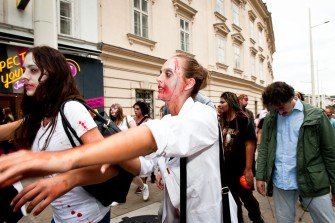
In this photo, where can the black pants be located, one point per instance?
(6, 211)
(246, 196)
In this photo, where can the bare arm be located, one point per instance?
(115, 149)
(7, 130)
(44, 191)
(249, 154)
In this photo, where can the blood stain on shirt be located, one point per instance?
(83, 125)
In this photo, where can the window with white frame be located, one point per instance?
(261, 72)
(65, 17)
(184, 35)
(251, 29)
(219, 7)
(237, 56)
(221, 50)
(260, 39)
(253, 65)
(236, 14)
(141, 18)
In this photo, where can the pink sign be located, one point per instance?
(95, 102)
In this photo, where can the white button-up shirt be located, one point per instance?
(193, 133)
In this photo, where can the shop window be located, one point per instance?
(146, 96)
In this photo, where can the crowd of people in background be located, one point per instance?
(288, 148)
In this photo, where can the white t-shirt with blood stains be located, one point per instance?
(76, 205)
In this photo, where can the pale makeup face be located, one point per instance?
(171, 81)
(31, 74)
(114, 111)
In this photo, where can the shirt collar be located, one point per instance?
(298, 105)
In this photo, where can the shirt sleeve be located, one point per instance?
(185, 134)
(79, 117)
(250, 132)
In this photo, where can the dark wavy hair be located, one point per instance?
(144, 107)
(276, 95)
(233, 106)
(48, 97)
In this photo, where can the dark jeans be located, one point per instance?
(106, 219)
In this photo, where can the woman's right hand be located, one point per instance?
(159, 182)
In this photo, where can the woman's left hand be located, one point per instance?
(41, 192)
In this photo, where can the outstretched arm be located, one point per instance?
(115, 149)
(7, 130)
(46, 190)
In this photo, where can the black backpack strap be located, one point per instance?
(183, 189)
(224, 184)
(67, 127)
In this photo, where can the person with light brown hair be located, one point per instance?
(125, 122)
(122, 121)
(190, 131)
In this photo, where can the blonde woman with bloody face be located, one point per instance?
(191, 130)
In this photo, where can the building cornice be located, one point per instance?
(235, 81)
(119, 53)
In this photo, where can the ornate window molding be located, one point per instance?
(238, 38)
(183, 9)
(260, 26)
(261, 57)
(220, 17)
(252, 41)
(253, 77)
(260, 49)
(236, 27)
(252, 15)
(221, 29)
(222, 66)
(253, 50)
(238, 71)
(186, 53)
(132, 38)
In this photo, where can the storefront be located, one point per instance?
(87, 72)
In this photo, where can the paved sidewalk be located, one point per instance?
(135, 206)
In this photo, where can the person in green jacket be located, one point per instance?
(297, 155)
